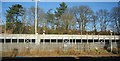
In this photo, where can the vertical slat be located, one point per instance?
(75, 40)
(50, 39)
(17, 40)
(4, 40)
(115, 39)
(72, 40)
(56, 40)
(24, 41)
(69, 40)
(81, 43)
(81, 39)
(98, 39)
(11, 40)
(62, 40)
(104, 40)
(88, 43)
(51, 45)
(87, 39)
(38, 39)
(62, 43)
(93, 42)
(43, 39)
(30, 41)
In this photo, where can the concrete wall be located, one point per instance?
(54, 46)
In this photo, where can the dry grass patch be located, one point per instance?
(56, 52)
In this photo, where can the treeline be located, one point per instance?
(64, 20)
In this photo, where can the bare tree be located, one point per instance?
(67, 19)
(115, 15)
(82, 15)
(103, 18)
(94, 23)
(50, 18)
(31, 18)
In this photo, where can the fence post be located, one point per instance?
(37, 40)
(111, 41)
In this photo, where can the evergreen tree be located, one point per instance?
(14, 18)
(59, 11)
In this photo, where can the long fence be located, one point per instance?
(58, 42)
